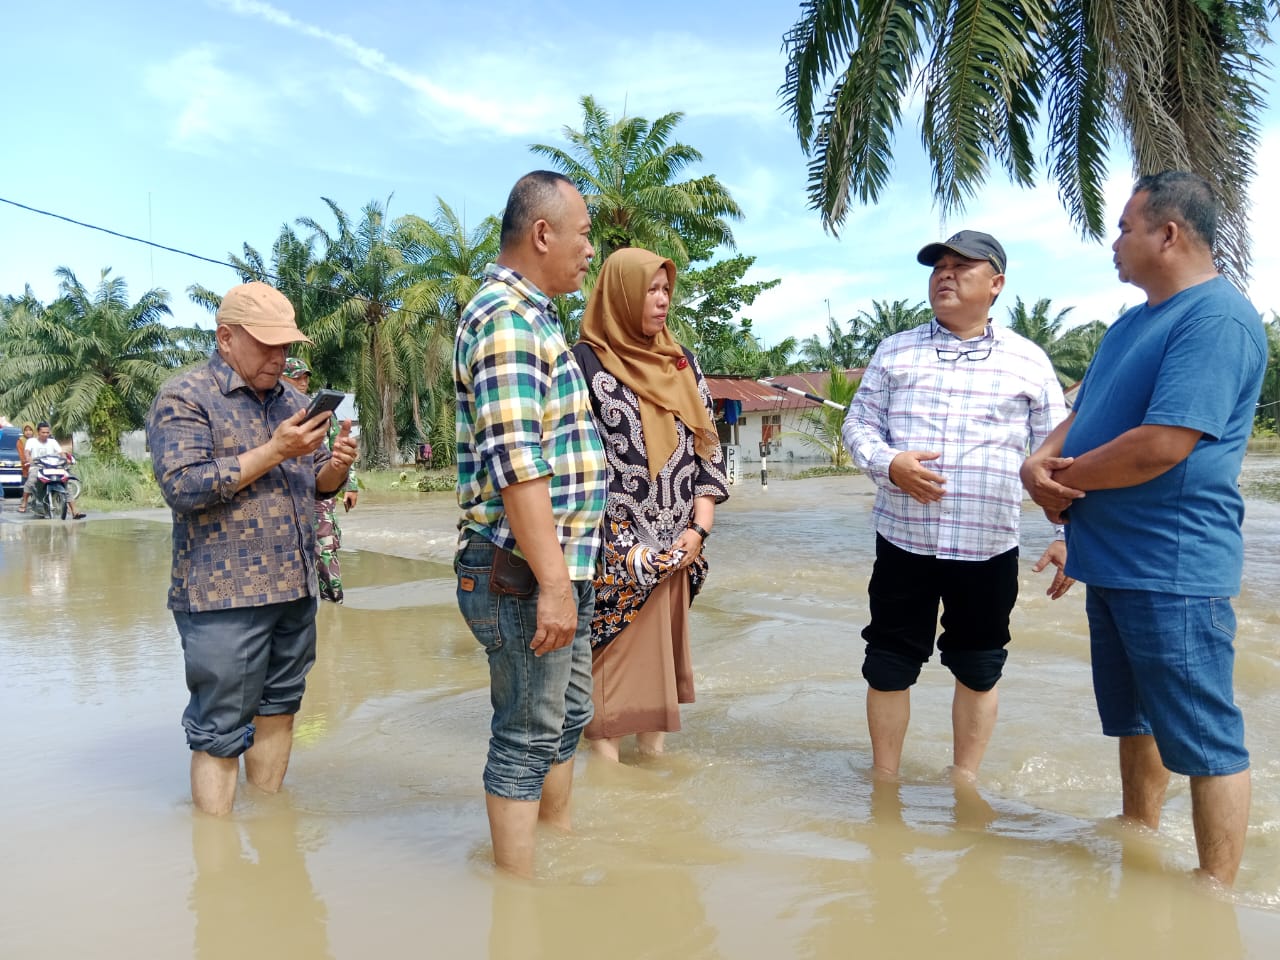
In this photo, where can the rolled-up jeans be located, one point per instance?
(540, 704)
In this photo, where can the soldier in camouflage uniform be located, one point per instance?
(328, 533)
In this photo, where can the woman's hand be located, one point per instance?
(691, 543)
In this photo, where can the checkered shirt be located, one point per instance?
(983, 416)
(232, 548)
(524, 413)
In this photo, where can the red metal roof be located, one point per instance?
(755, 396)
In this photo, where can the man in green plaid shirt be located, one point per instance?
(531, 481)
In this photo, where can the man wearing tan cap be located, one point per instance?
(241, 470)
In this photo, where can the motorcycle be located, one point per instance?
(55, 486)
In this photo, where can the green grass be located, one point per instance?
(116, 484)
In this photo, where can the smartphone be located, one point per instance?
(324, 402)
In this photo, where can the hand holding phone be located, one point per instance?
(324, 402)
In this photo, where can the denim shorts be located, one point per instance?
(540, 704)
(1162, 666)
(244, 663)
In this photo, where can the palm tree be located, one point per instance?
(1044, 331)
(883, 320)
(841, 350)
(1076, 350)
(824, 426)
(1180, 81)
(93, 360)
(1269, 399)
(453, 260)
(736, 351)
(626, 170)
(369, 268)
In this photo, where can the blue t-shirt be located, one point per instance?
(1196, 361)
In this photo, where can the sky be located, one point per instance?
(207, 124)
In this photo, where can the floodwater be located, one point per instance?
(759, 835)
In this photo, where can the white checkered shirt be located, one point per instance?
(982, 415)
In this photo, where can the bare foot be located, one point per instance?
(605, 749)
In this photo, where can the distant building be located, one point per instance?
(753, 418)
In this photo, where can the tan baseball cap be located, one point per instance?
(264, 312)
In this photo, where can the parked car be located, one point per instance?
(10, 465)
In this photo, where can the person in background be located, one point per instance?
(1145, 472)
(28, 431)
(666, 475)
(328, 532)
(943, 420)
(43, 445)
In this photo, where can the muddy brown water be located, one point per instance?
(759, 835)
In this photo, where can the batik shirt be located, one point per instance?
(981, 403)
(523, 414)
(232, 548)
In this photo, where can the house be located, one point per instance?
(755, 419)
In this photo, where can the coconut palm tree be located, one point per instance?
(1179, 80)
(823, 427)
(92, 360)
(627, 172)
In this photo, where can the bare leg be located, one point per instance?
(1143, 779)
(511, 826)
(213, 782)
(266, 762)
(973, 718)
(557, 792)
(651, 744)
(1220, 815)
(606, 748)
(888, 713)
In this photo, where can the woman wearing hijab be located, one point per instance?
(666, 475)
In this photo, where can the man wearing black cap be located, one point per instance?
(942, 422)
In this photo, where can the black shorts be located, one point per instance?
(906, 588)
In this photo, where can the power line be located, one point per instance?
(122, 236)
(187, 253)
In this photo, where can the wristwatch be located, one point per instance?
(701, 531)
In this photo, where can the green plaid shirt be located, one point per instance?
(524, 413)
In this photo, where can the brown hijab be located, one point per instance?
(655, 369)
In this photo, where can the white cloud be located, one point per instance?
(214, 106)
(531, 91)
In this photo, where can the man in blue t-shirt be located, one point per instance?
(1156, 441)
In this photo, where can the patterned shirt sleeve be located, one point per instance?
(180, 436)
(712, 480)
(512, 380)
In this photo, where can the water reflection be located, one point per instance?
(251, 893)
(759, 835)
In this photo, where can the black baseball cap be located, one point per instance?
(967, 243)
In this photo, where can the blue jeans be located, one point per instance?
(1163, 665)
(540, 704)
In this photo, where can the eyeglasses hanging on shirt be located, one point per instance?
(973, 350)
